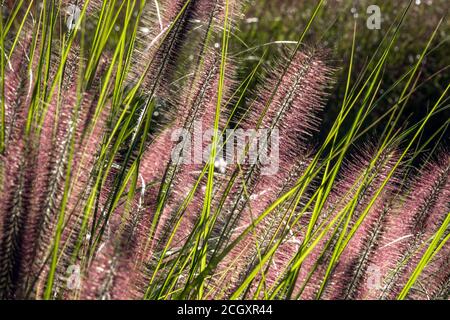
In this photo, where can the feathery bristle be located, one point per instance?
(17, 167)
(95, 178)
(352, 266)
(291, 109)
(157, 166)
(163, 33)
(409, 226)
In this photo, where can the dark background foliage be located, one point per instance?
(268, 21)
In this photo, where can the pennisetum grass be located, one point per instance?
(94, 204)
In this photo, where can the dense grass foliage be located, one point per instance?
(117, 180)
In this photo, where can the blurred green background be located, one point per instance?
(269, 21)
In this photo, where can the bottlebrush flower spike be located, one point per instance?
(164, 32)
(35, 173)
(17, 172)
(88, 133)
(121, 264)
(198, 109)
(347, 277)
(292, 110)
(434, 281)
(353, 175)
(408, 229)
(189, 107)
